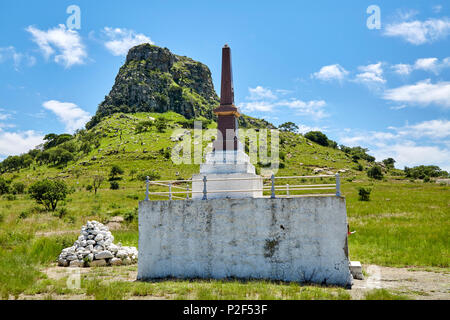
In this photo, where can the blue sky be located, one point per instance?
(317, 64)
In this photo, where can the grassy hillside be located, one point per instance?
(404, 224)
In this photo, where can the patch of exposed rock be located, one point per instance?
(95, 247)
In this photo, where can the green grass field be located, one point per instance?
(405, 224)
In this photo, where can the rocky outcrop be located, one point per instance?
(95, 247)
(155, 80)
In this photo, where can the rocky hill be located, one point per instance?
(155, 80)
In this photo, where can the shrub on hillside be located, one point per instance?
(152, 175)
(375, 173)
(4, 186)
(115, 172)
(321, 138)
(49, 192)
(18, 188)
(420, 172)
(114, 185)
(364, 194)
(160, 125)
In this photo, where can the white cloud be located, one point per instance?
(422, 93)
(313, 108)
(68, 113)
(410, 154)
(411, 145)
(371, 74)
(263, 106)
(10, 53)
(304, 129)
(331, 72)
(64, 44)
(14, 143)
(419, 32)
(264, 100)
(427, 64)
(260, 93)
(434, 129)
(121, 40)
(402, 69)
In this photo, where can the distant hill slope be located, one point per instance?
(117, 140)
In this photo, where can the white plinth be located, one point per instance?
(231, 167)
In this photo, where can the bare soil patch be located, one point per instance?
(416, 283)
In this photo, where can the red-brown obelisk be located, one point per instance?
(227, 113)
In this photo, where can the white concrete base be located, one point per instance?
(226, 165)
(356, 270)
(254, 183)
(296, 239)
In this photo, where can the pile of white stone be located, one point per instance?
(95, 247)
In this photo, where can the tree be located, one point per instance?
(420, 172)
(115, 172)
(52, 140)
(288, 126)
(389, 163)
(375, 173)
(317, 137)
(96, 182)
(49, 192)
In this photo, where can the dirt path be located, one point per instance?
(415, 283)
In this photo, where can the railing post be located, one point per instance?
(287, 190)
(147, 181)
(187, 193)
(205, 197)
(338, 185)
(170, 191)
(272, 196)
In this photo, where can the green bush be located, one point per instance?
(11, 197)
(114, 185)
(18, 188)
(62, 212)
(152, 176)
(364, 194)
(4, 186)
(160, 125)
(89, 187)
(131, 216)
(375, 173)
(115, 172)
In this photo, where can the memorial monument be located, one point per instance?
(227, 168)
(228, 229)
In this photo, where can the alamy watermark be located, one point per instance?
(74, 20)
(190, 149)
(374, 20)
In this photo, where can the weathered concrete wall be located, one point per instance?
(297, 239)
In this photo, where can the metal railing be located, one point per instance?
(286, 190)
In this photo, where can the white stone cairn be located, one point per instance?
(95, 247)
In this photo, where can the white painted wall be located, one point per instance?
(296, 239)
